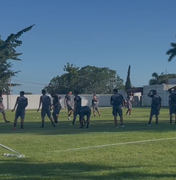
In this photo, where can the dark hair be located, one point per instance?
(115, 90)
(22, 93)
(76, 92)
(43, 91)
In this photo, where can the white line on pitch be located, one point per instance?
(117, 144)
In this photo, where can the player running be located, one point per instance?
(95, 103)
(172, 104)
(85, 111)
(45, 101)
(68, 104)
(56, 107)
(77, 106)
(117, 102)
(155, 106)
(21, 103)
(2, 108)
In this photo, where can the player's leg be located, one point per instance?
(55, 115)
(16, 118)
(75, 113)
(70, 111)
(127, 111)
(88, 120)
(93, 108)
(120, 112)
(150, 118)
(97, 109)
(48, 112)
(171, 112)
(4, 116)
(43, 114)
(22, 116)
(81, 120)
(114, 112)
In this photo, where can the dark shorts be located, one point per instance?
(20, 113)
(45, 112)
(56, 111)
(117, 111)
(154, 111)
(172, 109)
(85, 111)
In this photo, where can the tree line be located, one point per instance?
(88, 79)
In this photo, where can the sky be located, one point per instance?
(101, 33)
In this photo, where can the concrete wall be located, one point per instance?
(162, 91)
(33, 100)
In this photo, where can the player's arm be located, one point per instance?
(160, 103)
(75, 103)
(111, 101)
(150, 93)
(16, 103)
(65, 102)
(40, 102)
(26, 102)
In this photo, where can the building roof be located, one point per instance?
(135, 90)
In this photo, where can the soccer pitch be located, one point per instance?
(102, 152)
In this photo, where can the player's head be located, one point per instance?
(22, 93)
(43, 91)
(154, 92)
(70, 92)
(76, 92)
(94, 95)
(52, 94)
(115, 91)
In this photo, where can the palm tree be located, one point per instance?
(157, 79)
(171, 52)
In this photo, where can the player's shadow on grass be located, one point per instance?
(24, 169)
(65, 127)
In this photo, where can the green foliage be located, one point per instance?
(160, 79)
(171, 52)
(8, 52)
(87, 80)
(128, 80)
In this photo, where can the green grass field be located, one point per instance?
(98, 153)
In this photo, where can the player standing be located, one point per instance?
(155, 106)
(95, 103)
(45, 101)
(68, 104)
(117, 102)
(21, 103)
(2, 108)
(172, 107)
(77, 106)
(56, 107)
(130, 101)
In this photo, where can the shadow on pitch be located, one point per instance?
(66, 127)
(22, 169)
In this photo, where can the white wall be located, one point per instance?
(33, 100)
(162, 90)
